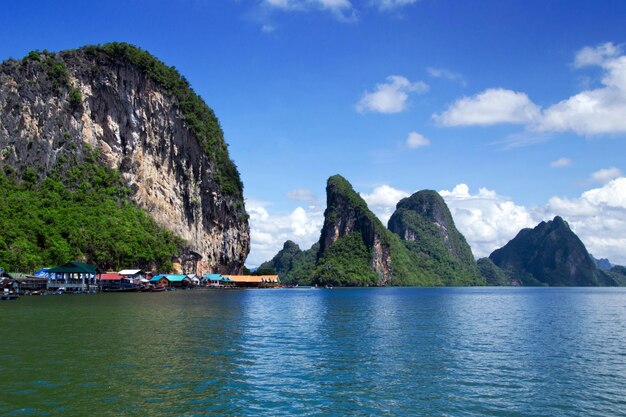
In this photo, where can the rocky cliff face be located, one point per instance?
(549, 254)
(347, 214)
(147, 123)
(425, 218)
(425, 225)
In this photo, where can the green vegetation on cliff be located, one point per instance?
(346, 263)
(618, 273)
(425, 225)
(427, 216)
(365, 252)
(78, 212)
(491, 273)
(292, 265)
(550, 254)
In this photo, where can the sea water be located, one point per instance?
(370, 351)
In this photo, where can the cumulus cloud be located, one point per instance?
(487, 220)
(390, 97)
(612, 194)
(492, 106)
(590, 112)
(382, 201)
(589, 56)
(598, 216)
(605, 175)
(269, 230)
(595, 111)
(416, 140)
(561, 163)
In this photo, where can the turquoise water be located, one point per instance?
(386, 351)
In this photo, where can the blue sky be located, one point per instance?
(510, 108)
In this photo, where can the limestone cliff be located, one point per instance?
(347, 219)
(147, 123)
(549, 254)
(424, 223)
(356, 249)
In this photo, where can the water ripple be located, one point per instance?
(400, 351)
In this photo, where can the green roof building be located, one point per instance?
(74, 277)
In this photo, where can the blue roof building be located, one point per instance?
(172, 280)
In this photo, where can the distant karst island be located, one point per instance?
(107, 156)
(421, 246)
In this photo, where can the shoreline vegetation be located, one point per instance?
(80, 210)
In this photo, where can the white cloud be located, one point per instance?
(305, 225)
(390, 97)
(488, 221)
(343, 8)
(391, 4)
(612, 194)
(446, 74)
(415, 140)
(561, 163)
(382, 201)
(598, 217)
(492, 106)
(568, 208)
(596, 56)
(593, 112)
(523, 138)
(308, 4)
(269, 231)
(605, 175)
(590, 112)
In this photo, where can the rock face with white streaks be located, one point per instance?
(146, 122)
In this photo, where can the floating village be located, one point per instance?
(81, 278)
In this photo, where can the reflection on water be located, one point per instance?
(386, 351)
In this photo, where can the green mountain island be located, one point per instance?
(424, 223)
(108, 156)
(293, 265)
(423, 246)
(549, 254)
